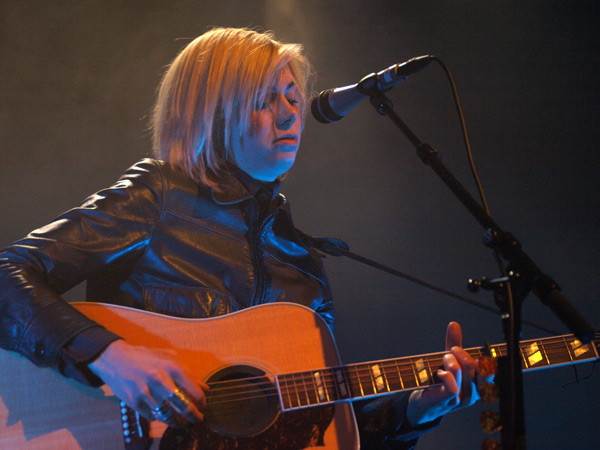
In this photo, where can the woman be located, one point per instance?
(201, 231)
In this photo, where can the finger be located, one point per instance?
(166, 414)
(466, 361)
(145, 410)
(468, 393)
(450, 386)
(176, 409)
(448, 395)
(453, 380)
(453, 336)
(181, 402)
(164, 387)
(196, 390)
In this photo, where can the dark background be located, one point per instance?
(77, 82)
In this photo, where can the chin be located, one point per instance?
(281, 169)
(286, 164)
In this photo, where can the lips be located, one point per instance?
(287, 138)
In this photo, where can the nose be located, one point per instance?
(286, 115)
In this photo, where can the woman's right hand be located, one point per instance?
(144, 379)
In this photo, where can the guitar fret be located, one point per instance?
(372, 377)
(438, 363)
(320, 390)
(284, 391)
(291, 394)
(330, 385)
(545, 353)
(430, 371)
(280, 391)
(360, 386)
(408, 375)
(532, 355)
(562, 352)
(334, 388)
(296, 390)
(305, 390)
(568, 349)
(523, 358)
(342, 383)
(399, 374)
(414, 373)
(385, 377)
(317, 389)
(368, 383)
(421, 375)
(302, 388)
(558, 351)
(379, 381)
(496, 351)
(581, 351)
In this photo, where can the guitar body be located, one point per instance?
(41, 409)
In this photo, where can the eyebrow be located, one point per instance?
(291, 85)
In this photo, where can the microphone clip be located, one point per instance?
(370, 86)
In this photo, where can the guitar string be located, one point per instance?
(299, 383)
(301, 386)
(364, 369)
(551, 348)
(554, 348)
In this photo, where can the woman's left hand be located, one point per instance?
(459, 383)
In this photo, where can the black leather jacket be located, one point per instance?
(157, 241)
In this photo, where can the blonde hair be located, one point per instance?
(210, 91)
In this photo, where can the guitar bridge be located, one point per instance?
(135, 429)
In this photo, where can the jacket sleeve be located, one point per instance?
(383, 424)
(110, 227)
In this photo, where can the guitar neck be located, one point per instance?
(376, 378)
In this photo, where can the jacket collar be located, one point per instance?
(240, 186)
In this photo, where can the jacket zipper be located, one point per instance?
(257, 260)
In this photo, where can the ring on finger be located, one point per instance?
(165, 414)
(179, 400)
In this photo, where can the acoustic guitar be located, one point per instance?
(275, 377)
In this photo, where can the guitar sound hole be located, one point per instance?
(242, 401)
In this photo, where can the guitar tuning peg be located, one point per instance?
(488, 366)
(490, 421)
(491, 444)
(488, 392)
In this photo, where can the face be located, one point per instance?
(268, 149)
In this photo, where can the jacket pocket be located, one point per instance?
(191, 303)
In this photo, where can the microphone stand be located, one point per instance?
(523, 276)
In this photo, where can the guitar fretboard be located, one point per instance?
(375, 378)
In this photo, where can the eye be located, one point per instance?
(268, 101)
(292, 101)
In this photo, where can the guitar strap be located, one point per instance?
(323, 244)
(337, 247)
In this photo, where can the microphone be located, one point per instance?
(332, 105)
